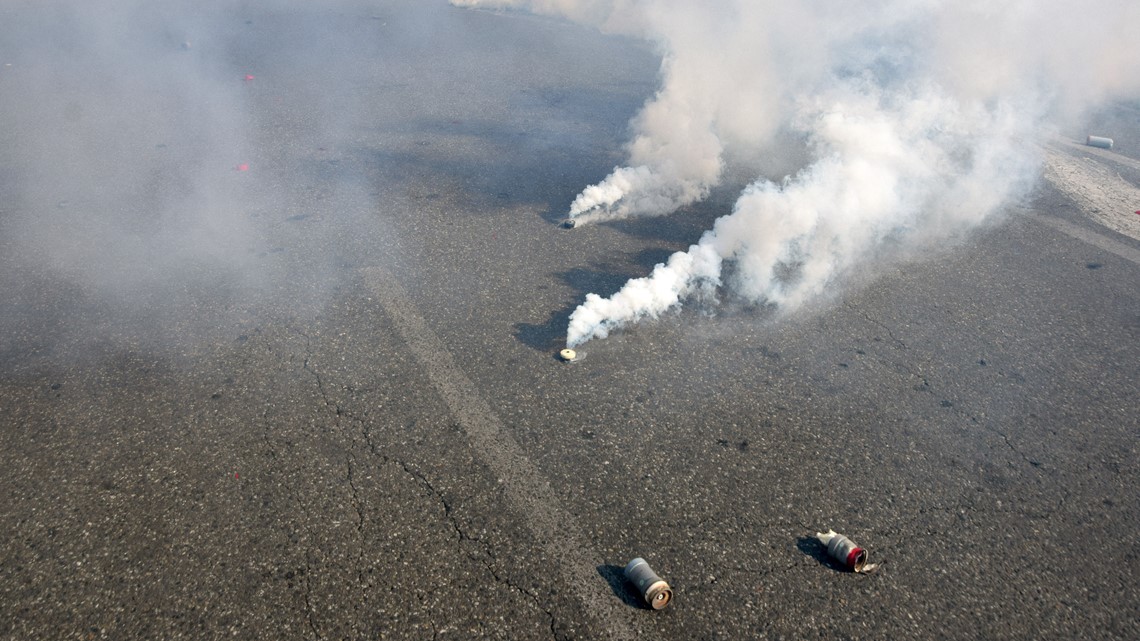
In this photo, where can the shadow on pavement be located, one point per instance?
(614, 575)
(604, 281)
(811, 546)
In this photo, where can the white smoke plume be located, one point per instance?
(921, 116)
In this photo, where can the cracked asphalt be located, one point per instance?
(360, 429)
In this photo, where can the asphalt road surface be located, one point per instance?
(337, 412)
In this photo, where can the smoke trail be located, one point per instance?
(921, 117)
(891, 169)
(728, 67)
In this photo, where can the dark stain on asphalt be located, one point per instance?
(742, 446)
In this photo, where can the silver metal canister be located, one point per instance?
(844, 550)
(1099, 141)
(653, 588)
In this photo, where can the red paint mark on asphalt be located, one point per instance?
(248, 77)
(243, 167)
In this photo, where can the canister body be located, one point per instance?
(652, 588)
(845, 551)
(1099, 141)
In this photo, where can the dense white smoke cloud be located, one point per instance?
(921, 116)
(124, 129)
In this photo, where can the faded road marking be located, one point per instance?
(1096, 151)
(1096, 187)
(1089, 236)
(525, 488)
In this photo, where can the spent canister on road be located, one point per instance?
(652, 588)
(845, 551)
(1099, 141)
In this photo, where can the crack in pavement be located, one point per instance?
(350, 461)
(1034, 463)
(527, 492)
(924, 382)
(462, 536)
(874, 321)
(927, 387)
(307, 581)
(900, 344)
(307, 569)
(314, 373)
(383, 458)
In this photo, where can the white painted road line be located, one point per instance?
(1089, 236)
(1096, 151)
(526, 490)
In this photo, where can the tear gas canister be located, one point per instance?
(1099, 141)
(651, 587)
(844, 550)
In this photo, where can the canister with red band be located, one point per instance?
(844, 550)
